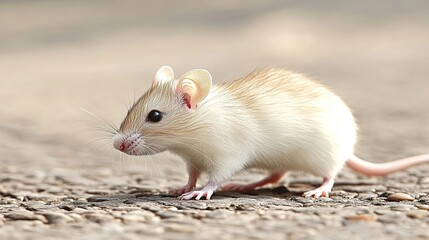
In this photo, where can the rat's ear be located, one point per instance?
(163, 75)
(195, 85)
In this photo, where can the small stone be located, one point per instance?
(304, 200)
(129, 218)
(98, 191)
(67, 207)
(367, 196)
(169, 214)
(98, 217)
(402, 207)
(24, 215)
(218, 214)
(112, 228)
(150, 208)
(182, 228)
(42, 197)
(343, 194)
(243, 207)
(57, 218)
(325, 199)
(390, 218)
(38, 206)
(145, 229)
(362, 217)
(417, 214)
(423, 207)
(364, 189)
(425, 180)
(99, 199)
(397, 197)
(79, 210)
(75, 216)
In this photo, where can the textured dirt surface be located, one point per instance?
(60, 177)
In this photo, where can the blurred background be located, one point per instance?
(59, 56)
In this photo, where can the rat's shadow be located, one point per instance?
(141, 195)
(137, 195)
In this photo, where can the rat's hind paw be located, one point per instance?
(323, 190)
(316, 193)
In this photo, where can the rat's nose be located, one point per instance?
(121, 142)
(123, 147)
(126, 143)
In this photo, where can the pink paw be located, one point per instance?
(318, 192)
(237, 187)
(197, 195)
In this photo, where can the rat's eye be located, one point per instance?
(154, 116)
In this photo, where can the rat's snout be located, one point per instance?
(128, 144)
(124, 145)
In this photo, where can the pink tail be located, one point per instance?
(380, 169)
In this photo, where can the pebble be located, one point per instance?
(98, 191)
(423, 207)
(367, 196)
(417, 214)
(402, 207)
(76, 217)
(149, 208)
(112, 227)
(218, 214)
(174, 227)
(57, 218)
(132, 217)
(145, 229)
(390, 218)
(364, 189)
(343, 194)
(24, 215)
(79, 210)
(43, 197)
(169, 214)
(362, 217)
(35, 206)
(396, 197)
(98, 217)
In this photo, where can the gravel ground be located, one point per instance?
(61, 179)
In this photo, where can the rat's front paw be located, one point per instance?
(197, 195)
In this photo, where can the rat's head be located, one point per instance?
(164, 113)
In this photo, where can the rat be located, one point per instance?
(270, 119)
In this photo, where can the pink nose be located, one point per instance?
(123, 147)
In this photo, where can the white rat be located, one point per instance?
(269, 119)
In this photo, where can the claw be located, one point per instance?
(197, 195)
(316, 193)
(323, 190)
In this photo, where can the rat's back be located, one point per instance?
(302, 125)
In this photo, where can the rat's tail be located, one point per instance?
(380, 169)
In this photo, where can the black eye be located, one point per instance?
(154, 116)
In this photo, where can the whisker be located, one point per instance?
(102, 119)
(100, 140)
